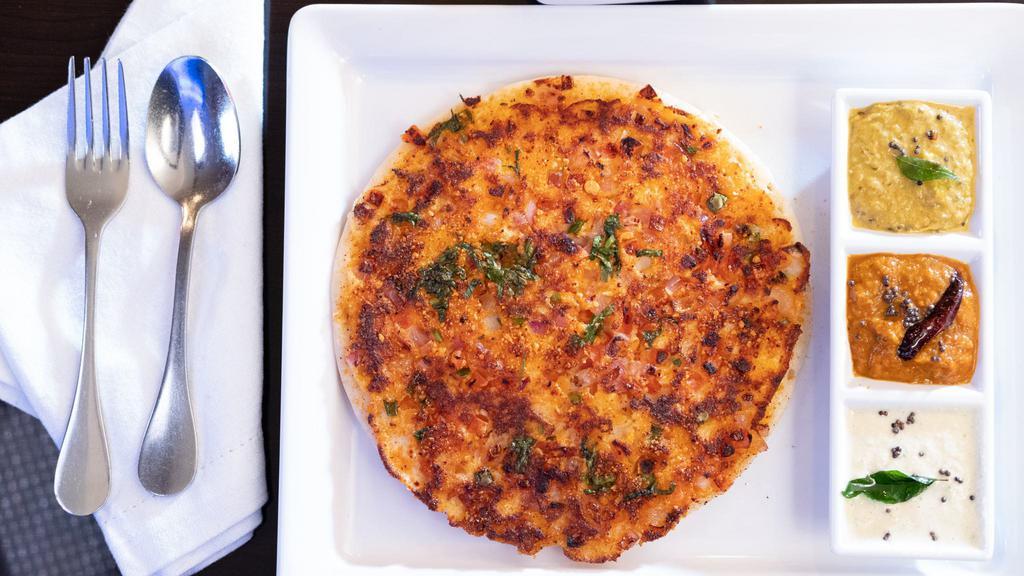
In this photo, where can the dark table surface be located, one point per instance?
(36, 39)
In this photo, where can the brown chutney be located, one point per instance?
(888, 293)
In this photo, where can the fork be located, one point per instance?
(96, 185)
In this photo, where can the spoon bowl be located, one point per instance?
(192, 136)
(192, 150)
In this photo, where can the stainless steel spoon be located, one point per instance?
(192, 148)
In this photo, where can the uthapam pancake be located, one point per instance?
(568, 313)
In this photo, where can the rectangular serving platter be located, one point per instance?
(359, 75)
(974, 247)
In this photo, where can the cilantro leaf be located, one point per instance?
(650, 336)
(521, 447)
(593, 327)
(438, 280)
(410, 217)
(505, 265)
(454, 124)
(605, 249)
(650, 488)
(515, 167)
(596, 483)
(483, 477)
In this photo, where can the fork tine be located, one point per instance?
(122, 111)
(71, 106)
(105, 110)
(88, 108)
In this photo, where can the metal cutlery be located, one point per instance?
(192, 150)
(96, 185)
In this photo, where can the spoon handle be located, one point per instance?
(82, 478)
(167, 462)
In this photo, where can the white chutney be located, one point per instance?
(934, 443)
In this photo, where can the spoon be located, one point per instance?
(192, 148)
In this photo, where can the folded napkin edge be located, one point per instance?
(240, 503)
(103, 519)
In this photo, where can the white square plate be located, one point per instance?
(359, 75)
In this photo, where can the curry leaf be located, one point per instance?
(888, 486)
(923, 170)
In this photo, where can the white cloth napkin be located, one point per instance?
(41, 287)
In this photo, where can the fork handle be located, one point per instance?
(167, 461)
(82, 478)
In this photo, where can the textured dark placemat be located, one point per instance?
(37, 538)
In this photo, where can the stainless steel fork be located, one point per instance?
(96, 185)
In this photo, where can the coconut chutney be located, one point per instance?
(934, 443)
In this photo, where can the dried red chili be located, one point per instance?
(936, 321)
